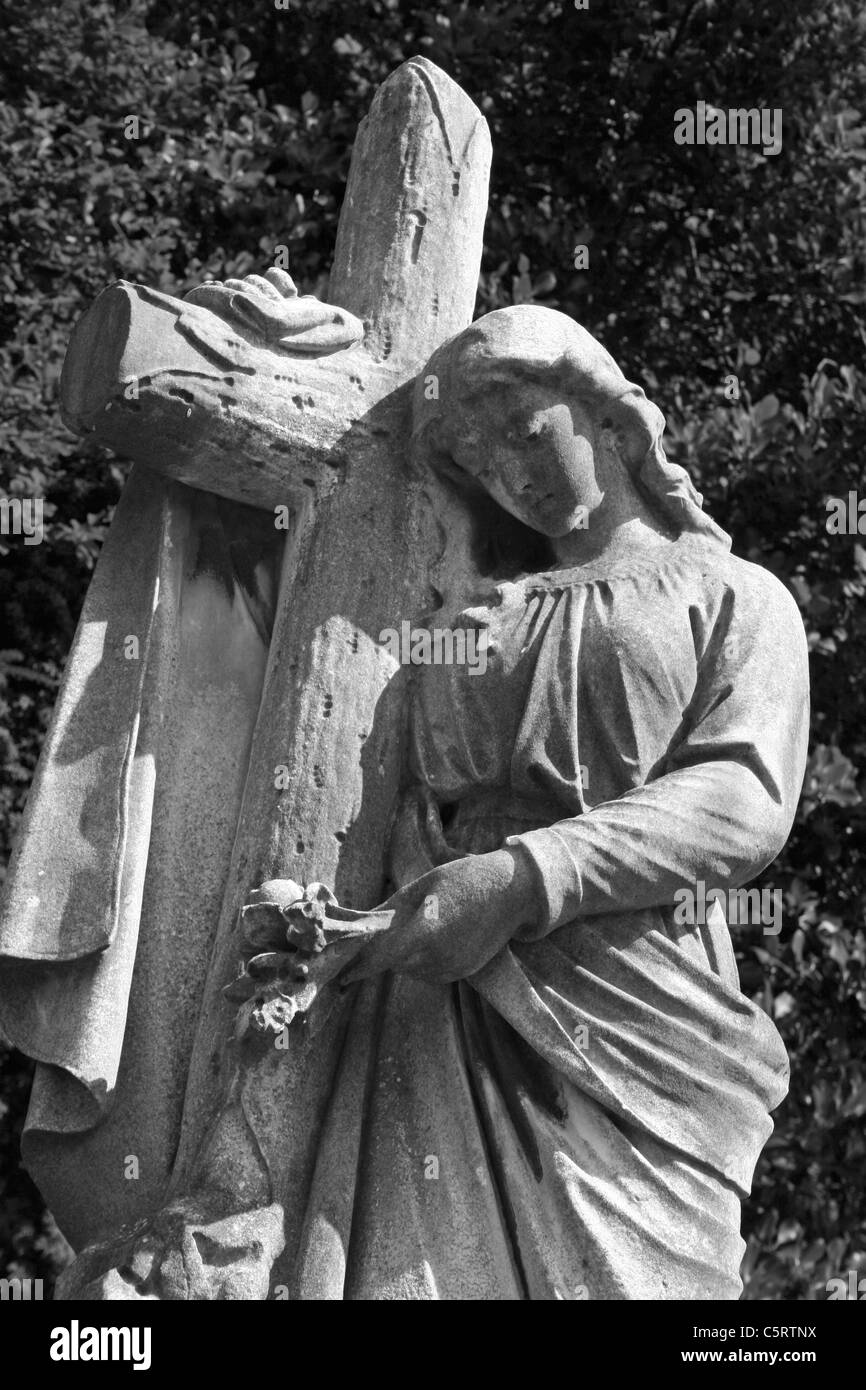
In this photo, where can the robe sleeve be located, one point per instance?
(722, 804)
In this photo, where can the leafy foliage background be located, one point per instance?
(705, 263)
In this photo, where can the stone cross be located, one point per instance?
(325, 437)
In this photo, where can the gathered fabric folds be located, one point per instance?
(578, 1121)
(581, 1118)
(112, 899)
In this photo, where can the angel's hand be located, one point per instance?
(268, 307)
(450, 922)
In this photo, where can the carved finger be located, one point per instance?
(212, 294)
(283, 281)
(261, 312)
(266, 317)
(249, 282)
(261, 283)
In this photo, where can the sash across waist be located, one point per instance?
(481, 822)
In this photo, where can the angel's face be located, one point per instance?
(534, 454)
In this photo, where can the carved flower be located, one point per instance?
(297, 939)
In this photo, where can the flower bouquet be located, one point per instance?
(297, 940)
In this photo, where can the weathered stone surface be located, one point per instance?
(181, 1259)
(527, 1074)
(192, 387)
(171, 780)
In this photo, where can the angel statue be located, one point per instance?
(565, 1090)
(546, 1084)
(591, 1079)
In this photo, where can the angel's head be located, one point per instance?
(528, 406)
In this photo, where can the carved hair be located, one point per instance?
(527, 343)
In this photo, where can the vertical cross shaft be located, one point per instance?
(407, 260)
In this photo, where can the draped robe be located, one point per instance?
(582, 1118)
(113, 895)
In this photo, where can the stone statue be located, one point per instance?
(352, 980)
